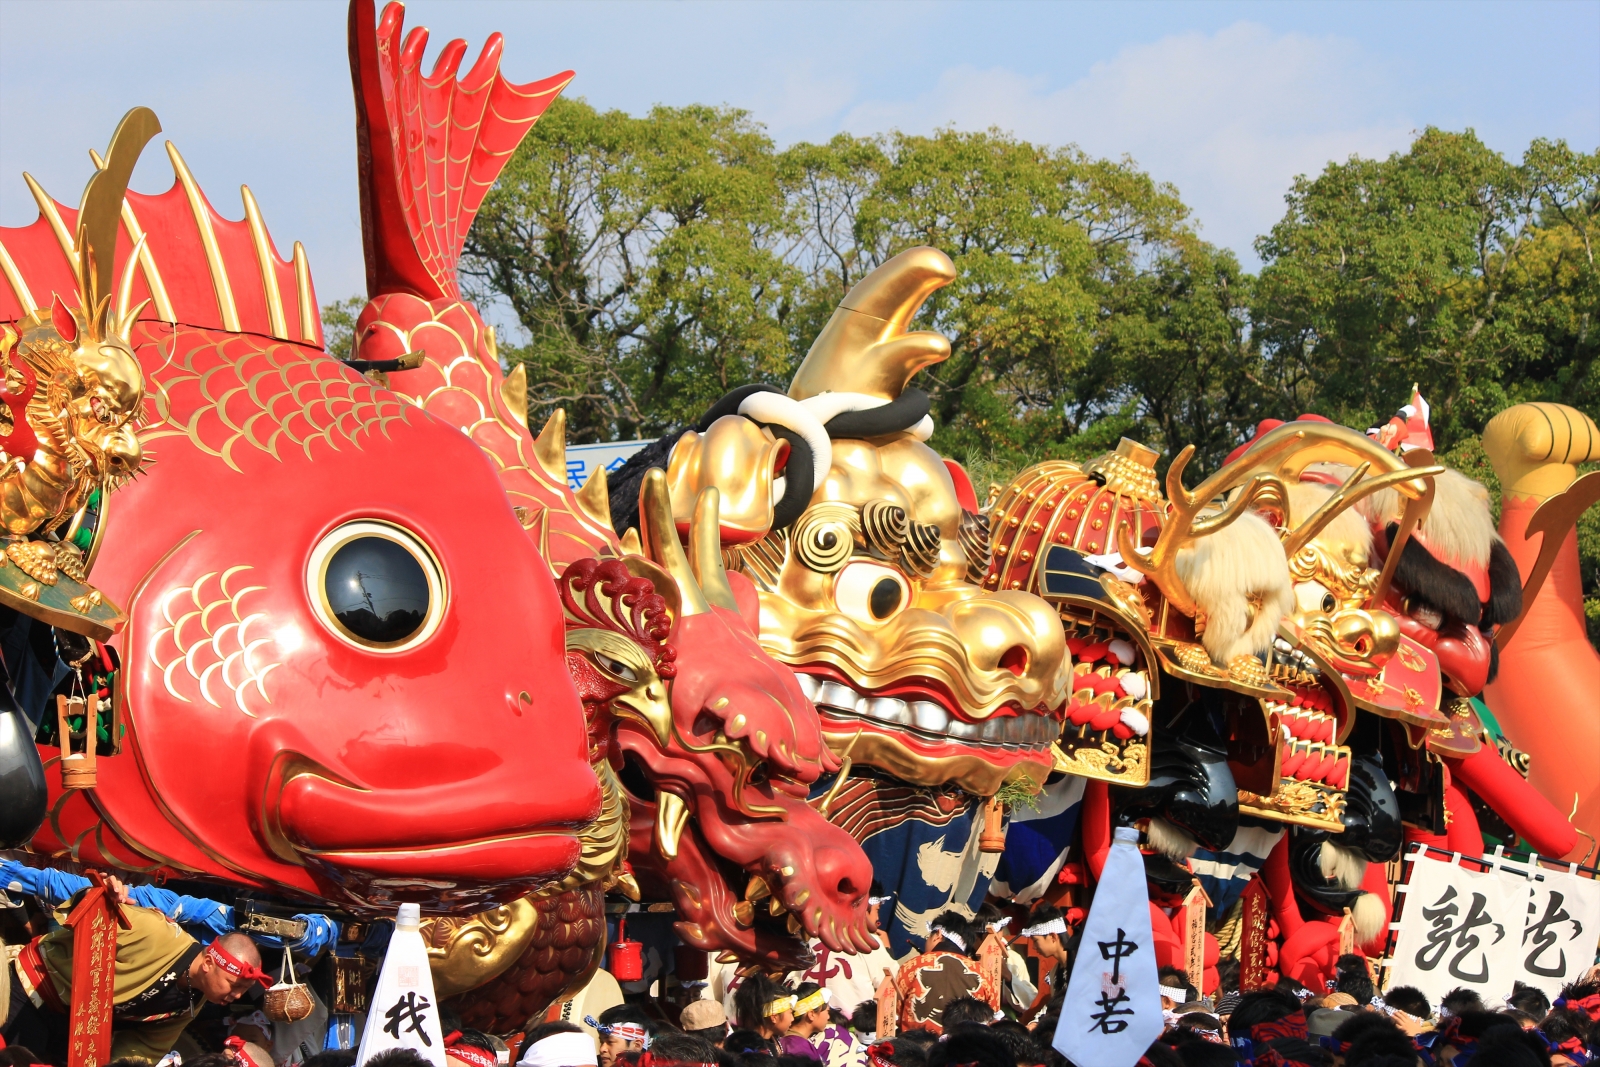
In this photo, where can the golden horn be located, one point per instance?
(864, 348)
(100, 211)
(705, 549)
(550, 447)
(660, 536)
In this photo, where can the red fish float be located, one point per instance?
(322, 582)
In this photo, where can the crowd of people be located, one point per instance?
(942, 1006)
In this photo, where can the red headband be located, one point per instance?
(478, 1057)
(233, 965)
(235, 1045)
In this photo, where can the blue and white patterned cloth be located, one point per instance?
(1223, 875)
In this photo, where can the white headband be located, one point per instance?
(955, 939)
(1058, 925)
(561, 1050)
(1174, 993)
(999, 924)
(878, 900)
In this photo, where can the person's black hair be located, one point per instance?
(1299, 1051)
(1195, 1051)
(971, 1044)
(1362, 1023)
(1351, 976)
(1227, 976)
(1509, 1046)
(629, 1058)
(677, 1045)
(1043, 913)
(1261, 1006)
(227, 1059)
(1579, 990)
(1176, 977)
(1025, 1048)
(864, 1020)
(921, 1038)
(787, 1060)
(1477, 1023)
(333, 1057)
(1461, 1000)
(728, 1059)
(22, 1056)
(965, 1010)
(1530, 999)
(1563, 1023)
(626, 1013)
(1373, 1045)
(1409, 999)
(744, 1042)
(804, 990)
(1161, 1054)
(904, 1052)
(750, 1001)
(956, 923)
(475, 1039)
(398, 1057)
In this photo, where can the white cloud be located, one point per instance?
(1229, 117)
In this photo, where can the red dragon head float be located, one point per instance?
(713, 742)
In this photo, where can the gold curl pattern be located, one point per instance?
(825, 536)
(209, 635)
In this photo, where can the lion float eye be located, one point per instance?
(376, 586)
(870, 592)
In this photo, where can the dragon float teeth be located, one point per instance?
(757, 889)
(672, 815)
(776, 907)
(795, 927)
(744, 913)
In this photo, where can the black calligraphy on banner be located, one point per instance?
(411, 1010)
(1112, 995)
(1541, 932)
(1450, 930)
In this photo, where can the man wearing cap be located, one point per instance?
(162, 978)
(705, 1019)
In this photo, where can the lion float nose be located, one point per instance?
(1017, 633)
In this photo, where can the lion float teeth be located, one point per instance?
(672, 815)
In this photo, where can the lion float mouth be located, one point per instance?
(918, 731)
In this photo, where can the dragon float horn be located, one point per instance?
(865, 348)
(100, 214)
(705, 549)
(661, 545)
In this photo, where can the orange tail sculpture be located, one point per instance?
(1547, 695)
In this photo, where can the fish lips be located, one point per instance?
(319, 816)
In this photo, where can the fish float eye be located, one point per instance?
(376, 586)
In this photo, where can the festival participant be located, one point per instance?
(834, 1045)
(469, 1048)
(674, 1049)
(851, 980)
(623, 1028)
(1565, 1031)
(161, 978)
(946, 970)
(967, 1011)
(1046, 928)
(764, 1008)
(558, 1044)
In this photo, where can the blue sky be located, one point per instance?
(1228, 101)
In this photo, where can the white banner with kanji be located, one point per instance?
(1561, 928)
(1459, 928)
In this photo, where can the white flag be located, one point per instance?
(1112, 1011)
(1459, 928)
(405, 1013)
(1563, 925)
